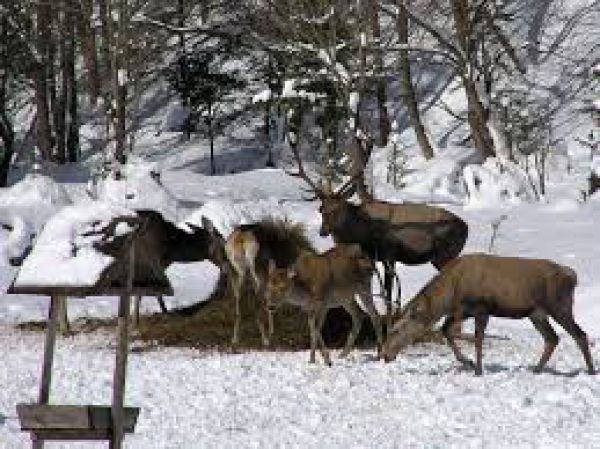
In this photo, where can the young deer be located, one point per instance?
(248, 251)
(318, 282)
(480, 286)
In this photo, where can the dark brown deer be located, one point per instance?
(249, 249)
(412, 234)
(169, 244)
(319, 282)
(480, 286)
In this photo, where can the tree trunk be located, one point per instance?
(360, 151)
(120, 82)
(70, 80)
(384, 118)
(183, 68)
(211, 136)
(43, 131)
(60, 95)
(408, 91)
(480, 133)
(87, 35)
(106, 67)
(7, 136)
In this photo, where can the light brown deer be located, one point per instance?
(319, 282)
(480, 286)
(248, 250)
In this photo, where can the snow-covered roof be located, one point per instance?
(72, 253)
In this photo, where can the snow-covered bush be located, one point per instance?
(496, 183)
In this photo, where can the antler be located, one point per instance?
(301, 173)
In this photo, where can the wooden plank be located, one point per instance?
(121, 357)
(50, 343)
(44, 392)
(44, 418)
(79, 292)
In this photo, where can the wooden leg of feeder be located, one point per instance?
(44, 394)
(120, 372)
(63, 317)
(137, 300)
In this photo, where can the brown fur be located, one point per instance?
(318, 282)
(480, 286)
(249, 250)
(412, 234)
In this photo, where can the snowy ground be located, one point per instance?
(260, 399)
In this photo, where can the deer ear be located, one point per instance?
(208, 225)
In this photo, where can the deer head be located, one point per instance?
(278, 284)
(215, 243)
(334, 206)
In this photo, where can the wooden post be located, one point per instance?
(63, 318)
(44, 395)
(121, 358)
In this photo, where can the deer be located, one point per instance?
(170, 244)
(159, 243)
(248, 251)
(319, 282)
(481, 286)
(410, 233)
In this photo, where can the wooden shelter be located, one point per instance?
(126, 275)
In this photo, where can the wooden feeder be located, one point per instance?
(124, 277)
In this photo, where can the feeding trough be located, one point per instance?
(87, 250)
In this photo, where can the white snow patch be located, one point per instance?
(63, 254)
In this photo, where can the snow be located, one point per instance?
(138, 189)
(262, 97)
(63, 254)
(496, 183)
(192, 399)
(35, 198)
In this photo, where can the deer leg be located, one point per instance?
(566, 320)
(541, 323)
(313, 335)
(352, 308)
(481, 320)
(448, 332)
(237, 292)
(322, 314)
(388, 281)
(161, 304)
(261, 315)
(376, 320)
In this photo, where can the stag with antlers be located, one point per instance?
(410, 233)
